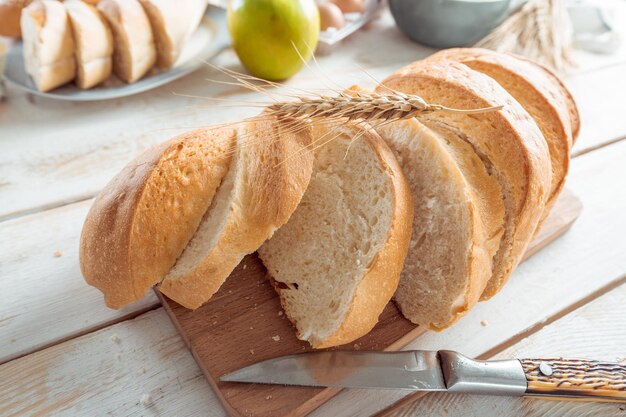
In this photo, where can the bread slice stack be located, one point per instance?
(434, 211)
(86, 41)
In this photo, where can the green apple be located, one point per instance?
(266, 33)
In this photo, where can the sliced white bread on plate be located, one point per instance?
(337, 262)
(143, 219)
(508, 142)
(539, 95)
(134, 52)
(94, 43)
(265, 182)
(173, 22)
(48, 44)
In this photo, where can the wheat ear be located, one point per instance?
(360, 106)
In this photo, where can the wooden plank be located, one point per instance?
(243, 324)
(136, 368)
(600, 98)
(596, 331)
(44, 298)
(586, 259)
(65, 152)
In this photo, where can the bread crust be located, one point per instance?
(538, 93)
(276, 178)
(380, 282)
(142, 220)
(10, 12)
(508, 139)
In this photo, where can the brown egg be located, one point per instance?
(330, 16)
(350, 6)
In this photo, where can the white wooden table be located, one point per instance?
(62, 352)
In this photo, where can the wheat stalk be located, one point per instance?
(539, 30)
(362, 107)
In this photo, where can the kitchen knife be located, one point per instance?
(445, 370)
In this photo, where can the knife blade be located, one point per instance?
(420, 370)
(409, 370)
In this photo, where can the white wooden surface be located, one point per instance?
(62, 352)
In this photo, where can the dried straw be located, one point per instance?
(540, 30)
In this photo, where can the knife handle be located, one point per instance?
(575, 378)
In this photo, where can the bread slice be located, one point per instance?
(565, 96)
(508, 142)
(10, 12)
(450, 256)
(337, 262)
(94, 43)
(142, 220)
(264, 184)
(134, 52)
(540, 96)
(48, 44)
(173, 22)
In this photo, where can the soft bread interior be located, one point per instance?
(94, 43)
(212, 226)
(134, 53)
(173, 22)
(447, 266)
(320, 257)
(48, 44)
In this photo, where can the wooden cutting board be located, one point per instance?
(243, 324)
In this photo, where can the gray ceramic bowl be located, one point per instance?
(448, 23)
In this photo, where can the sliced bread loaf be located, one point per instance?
(173, 22)
(508, 142)
(337, 262)
(142, 220)
(48, 44)
(264, 184)
(540, 96)
(94, 43)
(134, 52)
(450, 256)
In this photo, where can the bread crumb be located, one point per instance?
(145, 400)
(269, 397)
(58, 254)
(252, 351)
(244, 266)
(356, 346)
(215, 322)
(230, 291)
(247, 298)
(251, 328)
(116, 339)
(280, 313)
(276, 338)
(483, 323)
(142, 371)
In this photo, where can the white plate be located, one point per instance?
(210, 39)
